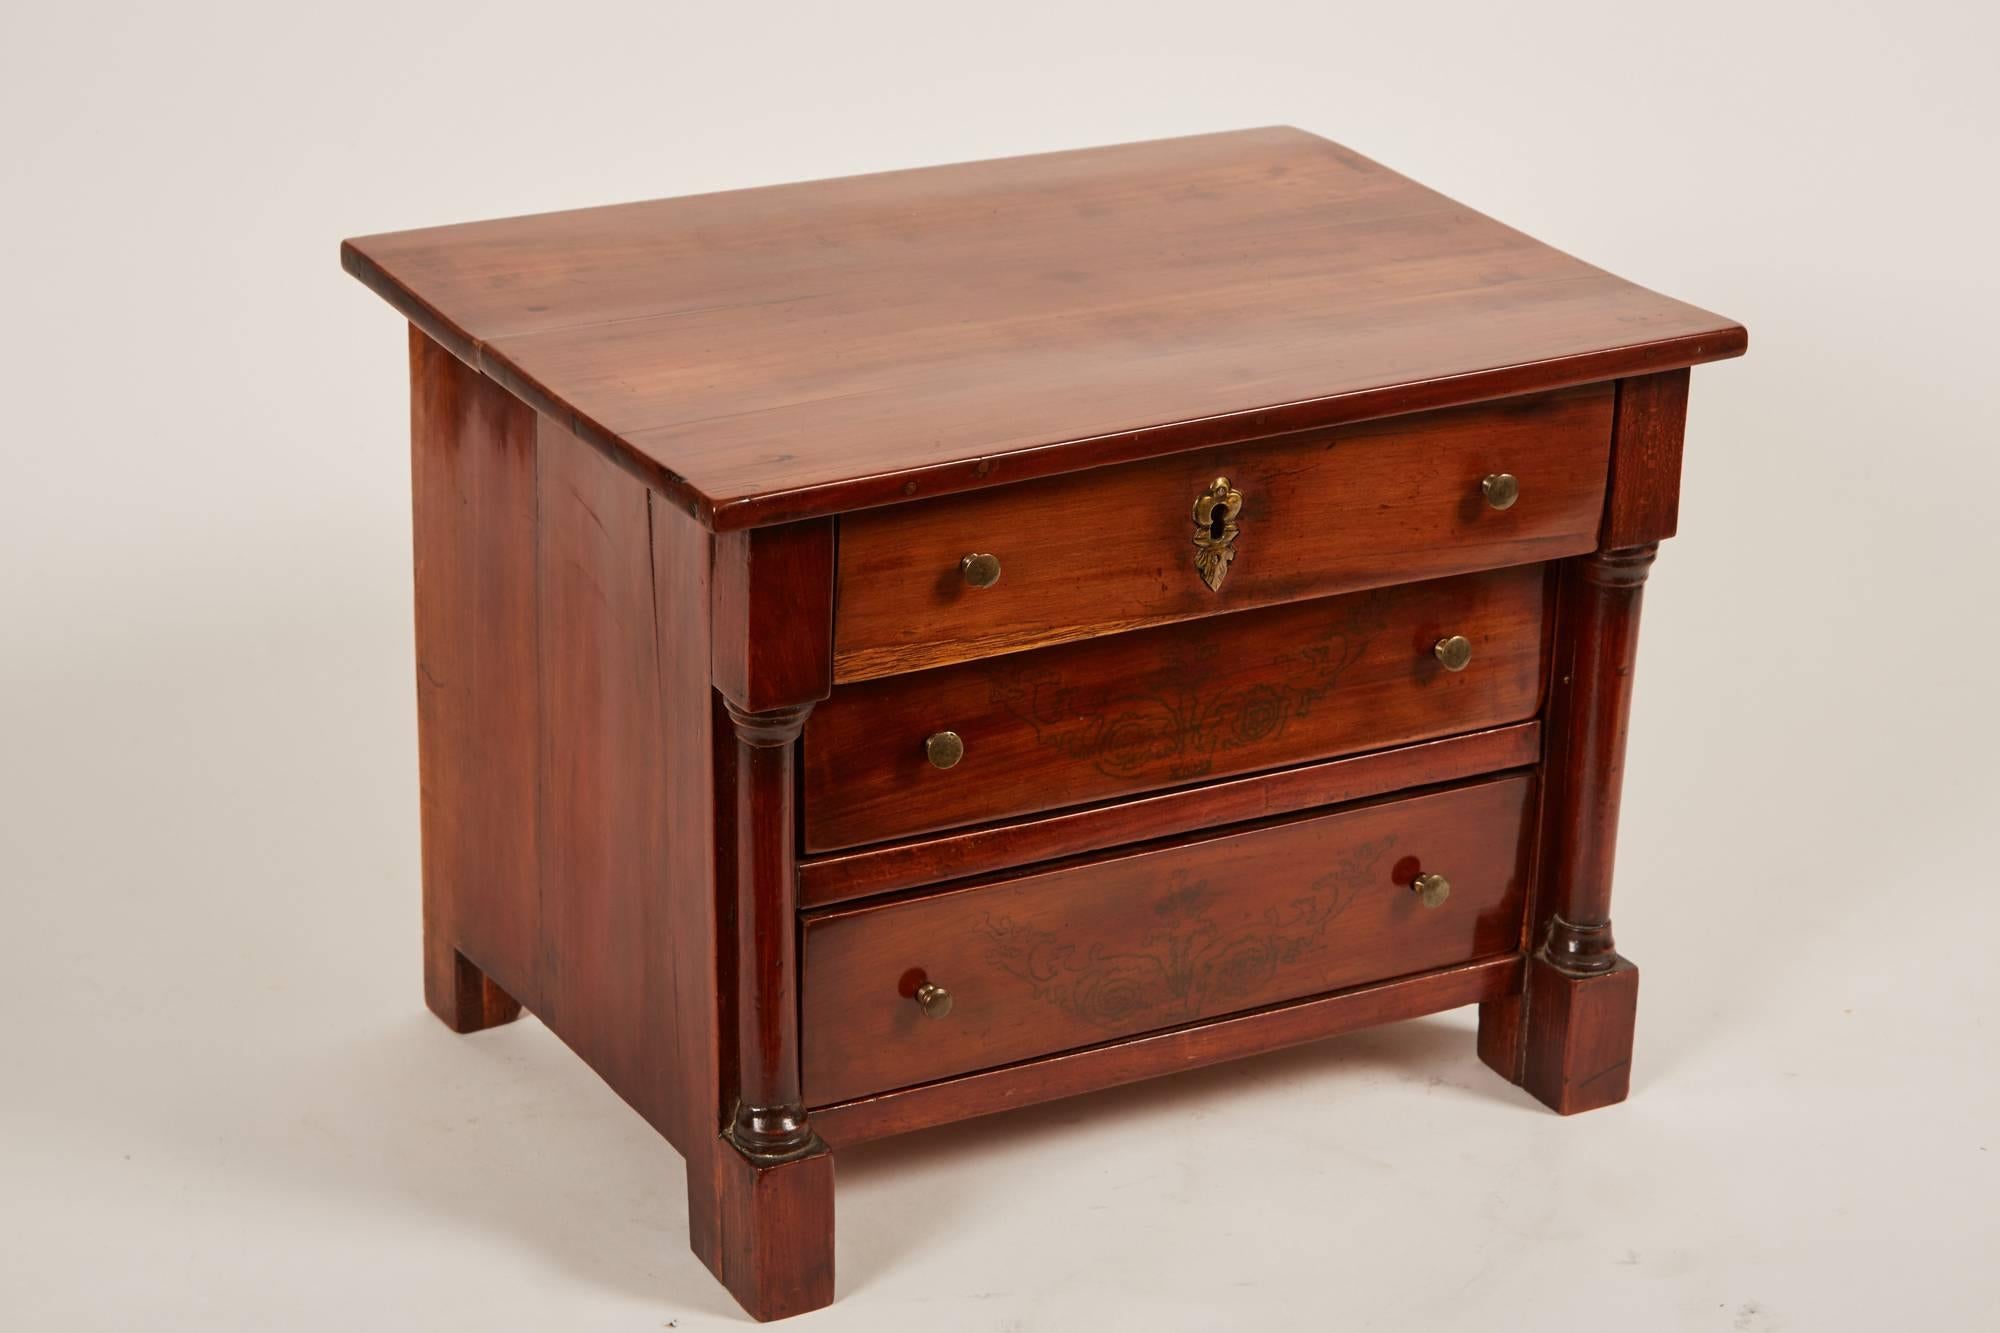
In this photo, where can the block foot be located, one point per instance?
(463, 996)
(766, 1229)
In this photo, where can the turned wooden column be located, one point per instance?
(1567, 1035)
(764, 1220)
(769, 1122)
(1600, 636)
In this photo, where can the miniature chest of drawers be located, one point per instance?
(898, 648)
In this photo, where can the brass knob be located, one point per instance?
(944, 748)
(1431, 890)
(1501, 490)
(933, 999)
(1455, 653)
(981, 570)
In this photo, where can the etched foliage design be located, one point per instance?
(1189, 716)
(1188, 964)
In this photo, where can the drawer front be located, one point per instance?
(1098, 552)
(1170, 706)
(1133, 943)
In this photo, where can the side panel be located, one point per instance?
(473, 502)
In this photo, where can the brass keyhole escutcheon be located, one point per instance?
(1215, 513)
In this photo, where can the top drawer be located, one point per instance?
(1321, 512)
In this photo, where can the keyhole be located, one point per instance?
(1216, 518)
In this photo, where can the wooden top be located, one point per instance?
(789, 352)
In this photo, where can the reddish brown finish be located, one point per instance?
(776, 1253)
(793, 352)
(1595, 661)
(1159, 937)
(772, 610)
(773, 598)
(564, 685)
(611, 695)
(1578, 1055)
(1169, 706)
(1642, 500)
(845, 876)
(770, 1121)
(692, 1046)
(467, 999)
(1324, 512)
(1149, 1056)
(1529, 1039)
(608, 954)
(473, 494)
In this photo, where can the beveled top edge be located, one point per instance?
(647, 452)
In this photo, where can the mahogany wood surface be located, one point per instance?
(1596, 659)
(562, 625)
(765, 355)
(1642, 500)
(691, 819)
(1168, 706)
(845, 876)
(770, 1118)
(1131, 1059)
(1323, 512)
(1577, 1054)
(473, 498)
(1567, 1038)
(1558, 1038)
(773, 596)
(776, 1232)
(607, 949)
(691, 484)
(1157, 937)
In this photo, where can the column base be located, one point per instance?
(1567, 1039)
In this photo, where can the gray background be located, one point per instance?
(222, 1104)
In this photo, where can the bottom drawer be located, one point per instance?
(1131, 942)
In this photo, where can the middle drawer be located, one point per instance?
(1164, 707)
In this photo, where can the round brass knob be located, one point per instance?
(944, 748)
(1454, 653)
(933, 999)
(980, 570)
(1501, 490)
(1431, 890)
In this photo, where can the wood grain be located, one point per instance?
(686, 1031)
(1134, 1058)
(773, 615)
(846, 876)
(1556, 1036)
(1578, 1054)
(1150, 939)
(1642, 501)
(766, 355)
(610, 950)
(1171, 706)
(473, 494)
(1323, 512)
(1596, 659)
(770, 1115)
(776, 1232)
